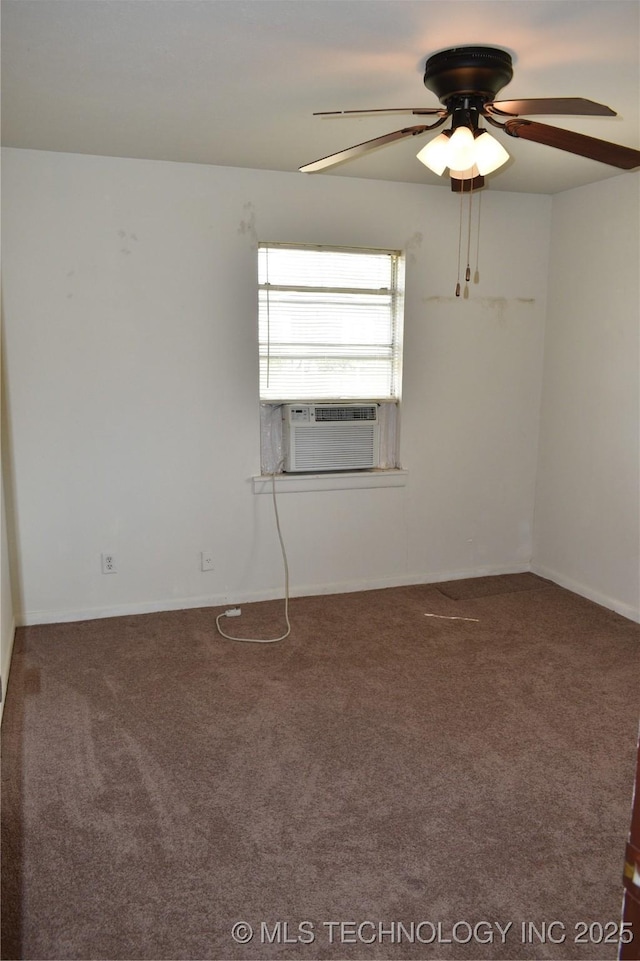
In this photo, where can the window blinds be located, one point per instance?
(329, 323)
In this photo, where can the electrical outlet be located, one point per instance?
(109, 564)
(206, 561)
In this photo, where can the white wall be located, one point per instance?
(587, 530)
(130, 314)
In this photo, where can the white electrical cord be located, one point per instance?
(235, 611)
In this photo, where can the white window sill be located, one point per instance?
(338, 481)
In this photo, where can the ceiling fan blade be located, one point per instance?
(418, 111)
(362, 148)
(608, 153)
(549, 105)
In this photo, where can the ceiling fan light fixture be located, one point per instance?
(463, 150)
(435, 154)
(489, 153)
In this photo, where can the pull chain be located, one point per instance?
(476, 276)
(467, 275)
(459, 245)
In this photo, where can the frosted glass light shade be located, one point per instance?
(461, 149)
(435, 154)
(488, 153)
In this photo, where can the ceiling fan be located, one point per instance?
(466, 81)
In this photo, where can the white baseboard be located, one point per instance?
(604, 600)
(33, 618)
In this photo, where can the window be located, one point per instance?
(330, 329)
(330, 323)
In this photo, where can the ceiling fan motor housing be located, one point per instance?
(478, 72)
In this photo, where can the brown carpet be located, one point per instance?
(379, 768)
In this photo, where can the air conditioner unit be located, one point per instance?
(326, 437)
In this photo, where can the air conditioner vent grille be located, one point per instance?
(334, 448)
(320, 437)
(351, 412)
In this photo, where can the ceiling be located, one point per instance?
(236, 82)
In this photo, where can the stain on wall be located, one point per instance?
(248, 224)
